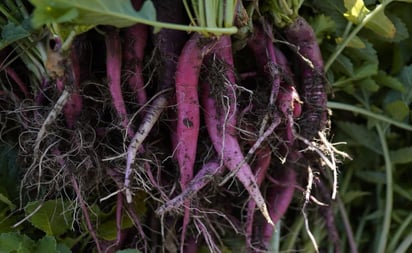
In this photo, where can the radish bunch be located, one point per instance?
(209, 133)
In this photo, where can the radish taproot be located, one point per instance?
(221, 122)
(202, 178)
(113, 71)
(279, 198)
(188, 113)
(312, 80)
(263, 49)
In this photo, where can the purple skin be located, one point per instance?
(188, 113)
(260, 168)
(279, 198)
(202, 178)
(135, 38)
(113, 69)
(262, 47)
(288, 99)
(312, 90)
(221, 127)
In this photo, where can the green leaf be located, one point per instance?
(7, 221)
(52, 217)
(366, 70)
(362, 135)
(108, 231)
(62, 248)
(386, 80)
(344, 65)
(368, 84)
(406, 78)
(15, 242)
(352, 195)
(401, 29)
(370, 176)
(397, 110)
(118, 13)
(46, 244)
(7, 201)
(355, 42)
(13, 32)
(128, 251)
(9, 171)
(363, 56)
(322, 26)
(401, 156)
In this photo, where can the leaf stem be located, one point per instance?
(355, 31)
(347, 225)
(389, 191)
(383, 118)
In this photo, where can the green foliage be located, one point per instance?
(13, 32)
(102, 12)
(52, 216)
(371, 79)
(20, 243)
(128, 251)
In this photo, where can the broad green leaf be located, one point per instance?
(352, 195)
(7, 201)
(368, 84)
(7, 221)
(62, 248)
(322, 26)
(9, 171)
(401, 156)
(46, 244)
(386, 80)
(361, 57)
(397, 110)
(371, 176)
(13, 32)
(401, 29)
(15, 242)
(53, 217)
(128, 251)
(355, 42)
(380, 23)
(406, 78)
(362, 135)
(108, 231)
(119, 13)
(344, 65)
(366, 71)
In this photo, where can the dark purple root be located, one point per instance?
(312, 89)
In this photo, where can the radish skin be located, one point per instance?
(314, 112)
(188, 113)
(263, 49)
(23, 88)
(133, 53)
(221, 128)
(260, 168)
(279, 198)
(188, 119)
(150, 119)
(202, 178)
(113, 69)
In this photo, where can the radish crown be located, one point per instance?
(214, 14)
(284, 12)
